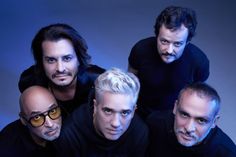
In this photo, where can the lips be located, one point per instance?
(114, 132)
(51, 132)
(187, 137)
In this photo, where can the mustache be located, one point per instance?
(61, 73)
(167, 54)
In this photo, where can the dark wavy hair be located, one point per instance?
(55, 32)
(173, 17)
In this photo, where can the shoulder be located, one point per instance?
(145, 43)
(14, 136)
(90, 73)
(31, 76)
(11, 129)
(224, 144)
(195, 52)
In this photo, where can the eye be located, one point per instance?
(53, 111)
(37, 118)
(125, 113)
(178, 44)
(107, 111)
(67, 58)
(50, 60)
(164, 42)
(183, 114)
(202, 121)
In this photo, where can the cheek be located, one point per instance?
(160, 47)
(125, 122)
(179, 51)
(38, 131)
(48, 68)
(202, 131)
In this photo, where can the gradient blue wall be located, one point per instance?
(111, 28)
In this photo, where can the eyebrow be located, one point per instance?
(116, 110)
(203, 117)
(33, 113)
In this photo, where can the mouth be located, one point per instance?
(187, 137)
(60, 76)
(114, 132)
(51, 132)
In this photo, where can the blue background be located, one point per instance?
(111, 28)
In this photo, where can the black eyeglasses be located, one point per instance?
(39, 119)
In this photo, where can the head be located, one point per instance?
(116, 93)
(40, 112)
(58, 50)
(196, 113)
(174, 28)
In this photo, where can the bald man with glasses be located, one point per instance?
(40, 122)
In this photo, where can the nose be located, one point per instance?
(170, 48)
(190, 126)
(48, 122)
(115, 122)
(60, 66)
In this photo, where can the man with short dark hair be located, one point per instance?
(167, 62)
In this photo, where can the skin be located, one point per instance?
(112, 116)
(171, 43)
(195, 116)
(36, 100)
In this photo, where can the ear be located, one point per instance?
(94, 106)
(22, 119)
(215, 122)
(175, 107)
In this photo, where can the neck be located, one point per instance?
(64, 93)
(38, 140)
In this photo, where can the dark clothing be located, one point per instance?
(161, 82)
(85, 82)
(15, 141)
(163, 142)
(79, 138)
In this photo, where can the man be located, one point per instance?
(167, 62)
(108, 126)
(62, 65)
(192, 128)
(40, 122)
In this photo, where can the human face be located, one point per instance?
(36, 103)
(194, 118)
(171, 43)
(60, 62)
(112, 116)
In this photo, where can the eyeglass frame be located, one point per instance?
(43, 114)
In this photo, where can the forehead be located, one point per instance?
(37, 102)
(117, 102)
(196, 105)
(179, 34)
(59, 47)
